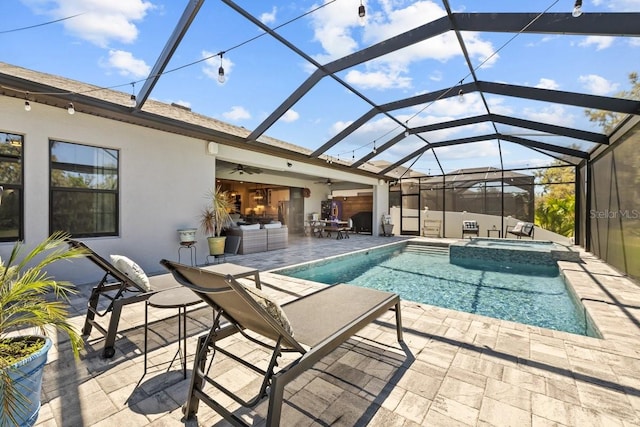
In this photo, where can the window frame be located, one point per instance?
(68, 190)
(19, 187)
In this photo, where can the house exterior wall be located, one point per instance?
(163, 179)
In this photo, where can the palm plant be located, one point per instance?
(30, 298)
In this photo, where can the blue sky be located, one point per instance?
(113, 43)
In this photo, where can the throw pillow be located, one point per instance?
(250, 227)
(271, 307)
(131, 270)
(275, 224)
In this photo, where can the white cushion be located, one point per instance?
(250, 227)
(131, 270)
(274, 224)
(518, 227)
(271, 307)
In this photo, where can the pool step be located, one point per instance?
(426, 249)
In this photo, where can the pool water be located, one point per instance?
(536, 296)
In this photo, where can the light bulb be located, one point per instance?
(577, 9)
(362, 15)
(221, 77)
(133, 102)
(27, 106)
(71, 109)
(406, 132)
(461, 96)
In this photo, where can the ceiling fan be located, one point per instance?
(327, 182)
(242, 169)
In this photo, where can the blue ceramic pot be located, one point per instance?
(27, 378)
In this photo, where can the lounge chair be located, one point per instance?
(119, 290)
(470, 227)
(522, 229)
(311, 327)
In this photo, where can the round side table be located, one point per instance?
(179, 298)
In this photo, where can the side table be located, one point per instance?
(192, 251)
(179, 298)
(489, 231)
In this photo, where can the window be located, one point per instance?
(11, 206)
(84, 190)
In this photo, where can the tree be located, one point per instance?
(555, 207)
(609, 119)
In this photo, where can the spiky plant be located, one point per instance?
(30, 298)
(215, 216)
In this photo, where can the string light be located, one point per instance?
(27, 104)
(362, 14)
(406, 128)
(461, 93)
(133, 102)
(375, 150)
(221, 77)
(577, 9)
(71, 109)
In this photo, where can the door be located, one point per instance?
(410, 215)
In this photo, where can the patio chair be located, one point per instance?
(310, 327)
(522, 229)
(470, 227)
(119, 290)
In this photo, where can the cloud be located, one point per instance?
(100, 21)
(269, 17)
(212, 63)
(237, 113)
(290, 116)
(472, 150)
(597, 85)
(600, 42)
(126, 64)
(618, 5)
(335, 29)
(377, 80)
(553, 114)
(547, 84)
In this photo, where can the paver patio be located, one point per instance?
(454, 368)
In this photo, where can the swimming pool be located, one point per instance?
(536, 295)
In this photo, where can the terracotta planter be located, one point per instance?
(26, 376)
(216, 245)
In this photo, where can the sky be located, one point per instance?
(115, 44)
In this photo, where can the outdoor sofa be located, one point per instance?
(260, 237)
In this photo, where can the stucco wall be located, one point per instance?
(163, 179)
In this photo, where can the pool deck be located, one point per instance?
(454, 369)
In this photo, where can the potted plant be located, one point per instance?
(29, 298)
(214, 218)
